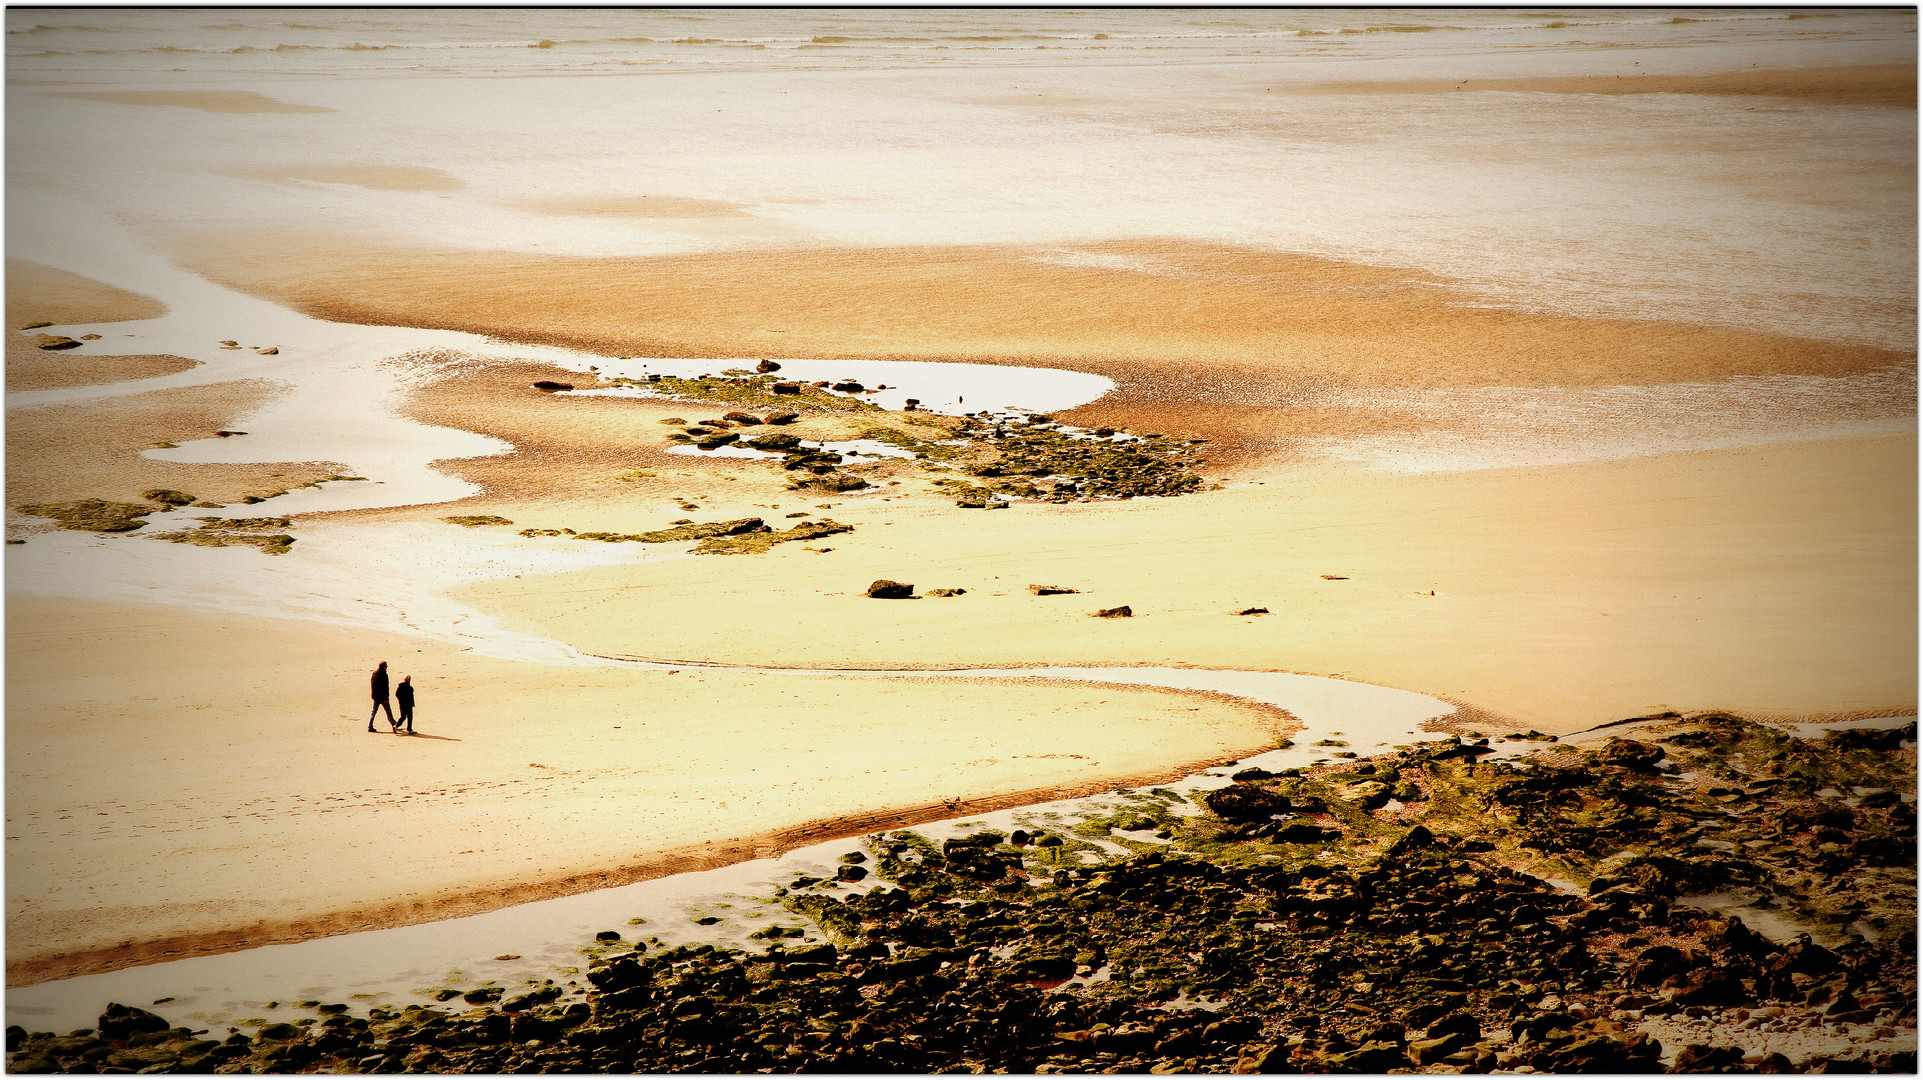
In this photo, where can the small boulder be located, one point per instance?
(849, 387)
(1122, 612)
(767, 366)
(883, 589)
(744, 419)
(90, 337)
(774, 442)
(1245, 802)
(551, 385)
(1052, 590)
(1253, 611)
(783, 418)
(272, 350)
(1630, 754)
(120, 1021)
(55, 341)
(785, 388)
(946, 592)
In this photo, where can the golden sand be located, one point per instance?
(373, 177)
(231, 795)
(636, 206)
(38, 293)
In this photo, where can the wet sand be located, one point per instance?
(1237, 345)
(1883, 84)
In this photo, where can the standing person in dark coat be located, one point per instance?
(404, 694)
(380, 698)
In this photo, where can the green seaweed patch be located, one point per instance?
(1079, 468)
(474, 520)
(701, 531)
(94, 515)
(236, 532)
(941, 448)
(752, 391)
(755, 543)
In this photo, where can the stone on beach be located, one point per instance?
(884, 589)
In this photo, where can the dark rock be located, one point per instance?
(1301, 832)
(1122, 612)
(742, 418)
(1806, 957)
(774, 442)
(55, 341)
(550, 384)
(1698, 1057)
(1414, 840)
(1253, 772)
(121, 1021)
(785, 388)
(1456, 1023)
(884, 589)
(946, 592)
(851, 873)
(1630, 754)
(767, 366)
(716, 441)
(1052, 590)
(1245, 802)
(849, 387)
(1253, 611)
(169, 497)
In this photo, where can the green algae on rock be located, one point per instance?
(95, 515)
(236, 532)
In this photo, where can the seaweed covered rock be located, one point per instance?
(1245, 802)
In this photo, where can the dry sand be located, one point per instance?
(230, 795)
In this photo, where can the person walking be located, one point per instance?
(380, 698)
(404, 695)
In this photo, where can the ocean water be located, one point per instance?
(758, 128)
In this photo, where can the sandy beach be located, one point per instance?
(1516, 436)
